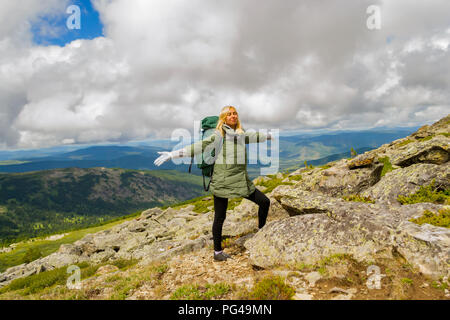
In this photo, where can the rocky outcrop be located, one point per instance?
(409, 180)
(341, 179)
(435, 150)
(321, 223)
(321, 226)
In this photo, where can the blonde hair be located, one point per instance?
(222, 120)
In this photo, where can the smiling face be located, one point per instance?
(232, 118)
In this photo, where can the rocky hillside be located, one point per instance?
(332, 233)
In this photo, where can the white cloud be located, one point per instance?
(165, 63)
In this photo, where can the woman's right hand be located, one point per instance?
(164, 156)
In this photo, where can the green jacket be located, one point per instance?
(230, 178)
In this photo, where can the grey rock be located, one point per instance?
(313, 277)
(408, 180)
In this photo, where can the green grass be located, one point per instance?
(321, 265)
(427, 194)
(273, 183)
(184, 203)
(325, 166)
(442, 285)
(296, 177)
(44, 282)
(201, 205)
(387, 166)
(161, 269)
(38, 282)
(197, 292)
(269, 288)
(125, 285)
(406, 281)
(358, 198)
(441, 219)
(47, 247)
(404, 143)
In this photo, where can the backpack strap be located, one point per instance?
(212, 174)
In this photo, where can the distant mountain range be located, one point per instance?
(292, 151)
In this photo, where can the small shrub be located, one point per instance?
(31, 255)
(124, 287)
(427, 194)
(358, 198)
(187, 292)
(196, 292)
(161, 269)
(440, 285)
(442, 219)
(216, 290)
(227, 242)
(271, 288)
(407, 281)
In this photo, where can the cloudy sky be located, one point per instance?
(138, 69)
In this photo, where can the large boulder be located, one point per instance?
(243, 219)
(435, 150)
(324, 226)
(404, 181)
(343, 178)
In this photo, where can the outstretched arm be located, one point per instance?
(199, 146)
(187, 151)
(165, 156)
(256, 137)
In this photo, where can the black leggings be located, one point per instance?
(220, 212)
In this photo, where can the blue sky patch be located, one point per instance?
(53, 30)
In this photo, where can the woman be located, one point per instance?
(230, 178)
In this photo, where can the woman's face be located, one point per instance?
(232, 118)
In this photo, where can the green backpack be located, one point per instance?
(208, 125)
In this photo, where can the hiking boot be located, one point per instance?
(221, 256)
(226, 255)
